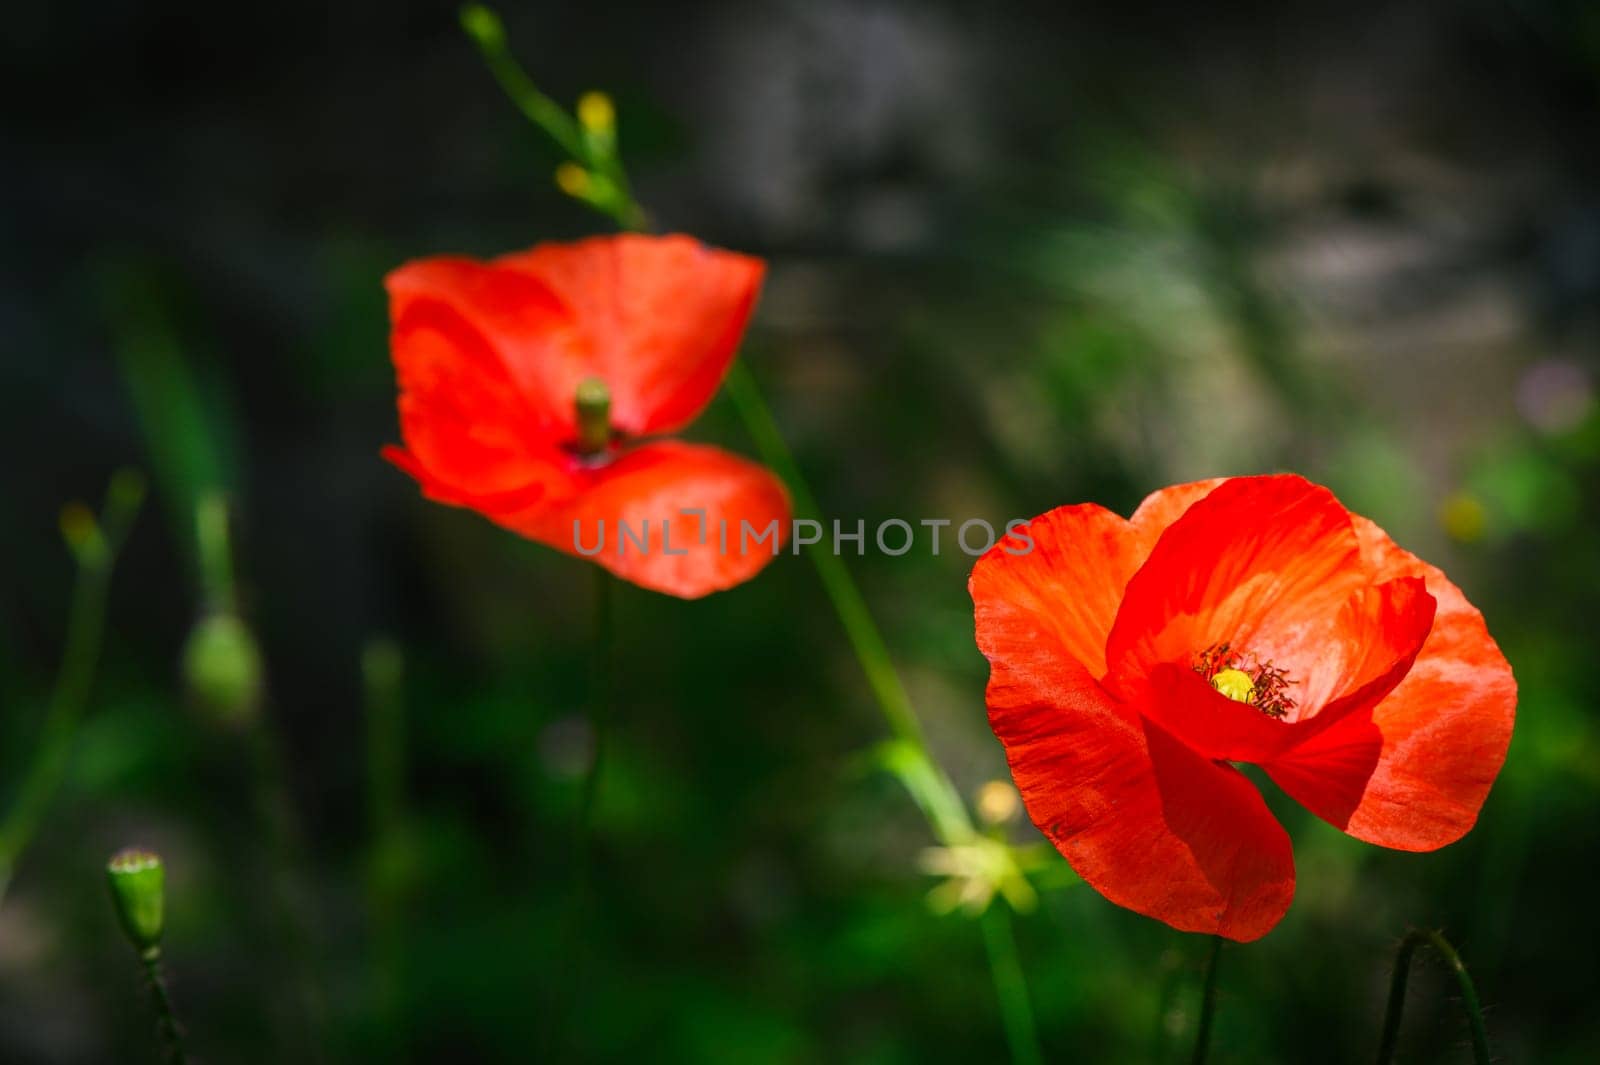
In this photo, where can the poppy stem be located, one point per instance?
(167, 1024)
(95, 543)
(1427, 937)
(1208, 1004)
(1010, 987)
(926, 780)
(600, 179)
(924, 776)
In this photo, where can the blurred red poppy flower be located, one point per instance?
(1244, 620)
(497, 360)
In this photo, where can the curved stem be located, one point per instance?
(1010, 987)
(74, 681)
(922, 774)
(1420, 937)
(1208, 1004)
(166, 1017)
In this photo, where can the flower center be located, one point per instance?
(592, 402)
(1244, 678)
(1235, 684)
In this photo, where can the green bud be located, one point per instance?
(222, 666)
(138, 883)
(483, 25)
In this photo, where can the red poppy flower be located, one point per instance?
(1244, 620)
(491, 358)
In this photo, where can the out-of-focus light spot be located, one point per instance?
(998, 802)
(1555, 395)
(573, 180)
(1463, 517)
(597, 113)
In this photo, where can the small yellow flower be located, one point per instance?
(597, 113)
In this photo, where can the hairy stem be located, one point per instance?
(1426, 937)
(167, 1024)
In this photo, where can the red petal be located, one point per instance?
(1072, 579)
(647, 489)
(1261, 563)
(662, 318)
(1148, 823)
(1068, 585)
(470, 430)
(502, 317)
(1385, 625)
(1414, 774)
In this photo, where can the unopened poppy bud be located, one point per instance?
(483, 25)
(222, 667)
(593, 404)
(138, 890)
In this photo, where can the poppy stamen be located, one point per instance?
(592, 402)
(1246, 679)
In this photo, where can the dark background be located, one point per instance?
(1021, 255)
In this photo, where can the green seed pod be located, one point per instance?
(138, 883)
(222, 666)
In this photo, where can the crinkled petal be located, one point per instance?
(1260, 563)
(1414, 773)
(1385, 624)
(1148, 823)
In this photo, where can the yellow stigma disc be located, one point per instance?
(1235, 684)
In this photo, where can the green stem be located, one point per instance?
(1423, 937)
(1208, 1004)
(486, 30)
(947, 812)
(75, 678)
(910, 758)
(166, 1016)
(1010, 987)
